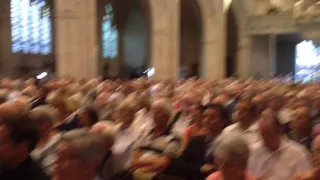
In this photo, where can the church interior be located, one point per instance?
(160, 90)
(173, 38)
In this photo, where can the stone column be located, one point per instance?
(75, 33)
(165, 33)
(273, 54)
(263, 56)
(244, 57)
(6, 62)
(214, 54)
(244, 41)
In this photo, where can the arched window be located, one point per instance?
(307, 62)
(31, 27)
(109, 35)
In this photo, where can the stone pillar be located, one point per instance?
(75, 33)
(214, 54)
(263, 54)
(5, 39)
(165, 33)
(243, 57)
(244, 41)
(273, 54)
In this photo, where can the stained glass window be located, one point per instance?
(109, 35)
(307, 62)
(31, 27)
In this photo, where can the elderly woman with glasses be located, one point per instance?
(231, 154)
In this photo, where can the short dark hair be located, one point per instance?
(223, 111)
(92, 114)
(22, 129)
(224, 115)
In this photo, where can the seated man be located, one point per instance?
(19, 137)
(80, 154)
(276, 157)
(157, 148)
(246, 125)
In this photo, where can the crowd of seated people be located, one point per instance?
(188, 129)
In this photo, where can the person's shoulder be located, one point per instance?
(257, 149)
(230, 128)
(296, 148)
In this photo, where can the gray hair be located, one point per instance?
(231, 147)
(45, 114)
(86, 145)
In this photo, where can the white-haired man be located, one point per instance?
(231, 153)
(160, 145)
(80, 154)
(126, 135)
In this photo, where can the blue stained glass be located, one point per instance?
(109, 35)
(30, 27)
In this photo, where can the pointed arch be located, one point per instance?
(126, 14)
(191, 29)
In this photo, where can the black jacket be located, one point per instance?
(27, 170)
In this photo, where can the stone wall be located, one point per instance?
(77, 49)
(11, 63)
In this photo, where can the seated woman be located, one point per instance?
(193, 141)
(231, 154)
(315, 172)
(44, 153)
(196, 160)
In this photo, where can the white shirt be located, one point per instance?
(123, 148)
(290, 159)
(179, 127)
(143, 121)
(250, 135)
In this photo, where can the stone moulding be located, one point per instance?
(271, 24)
